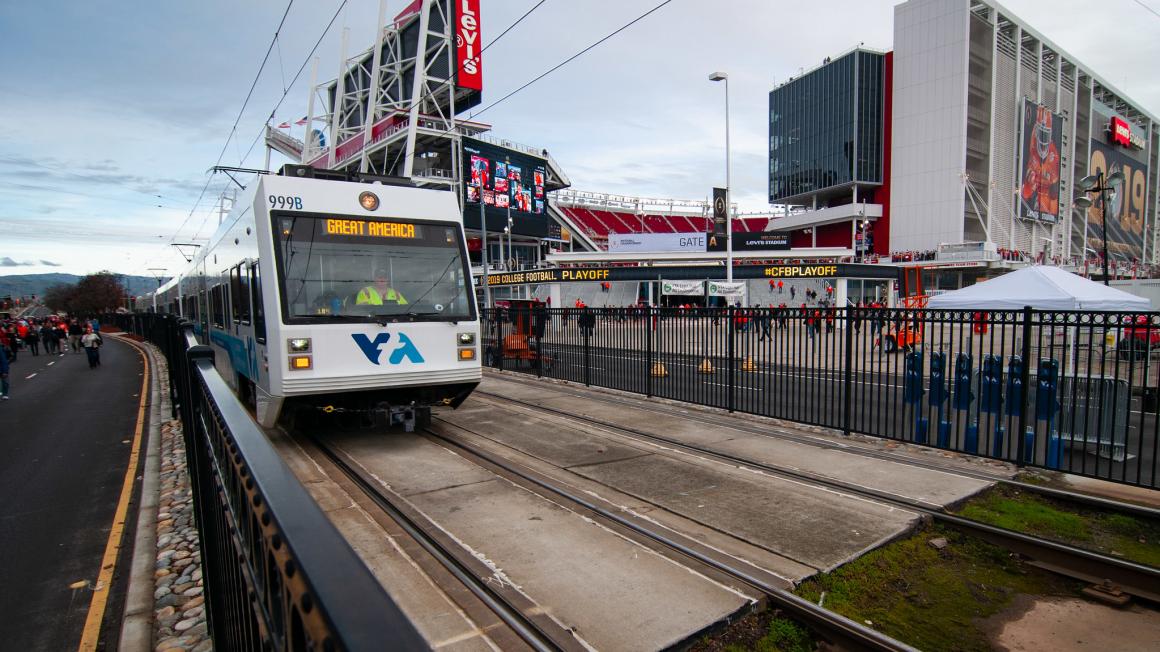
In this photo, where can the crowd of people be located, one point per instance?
(51, 335)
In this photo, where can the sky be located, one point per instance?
(116, 110)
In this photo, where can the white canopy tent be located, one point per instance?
(1042, 288)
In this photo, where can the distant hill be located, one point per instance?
(20, 285)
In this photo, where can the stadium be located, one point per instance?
(962, 150)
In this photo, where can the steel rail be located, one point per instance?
(836, 627)
(781, 432)
(511, 616)
(1138, 579)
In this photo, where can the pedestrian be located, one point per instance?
(92, 345)
(48, 337)
(3, 375)
(13, 342)
(32, 339)
(587, 323)
(74, 335)
(764, 317)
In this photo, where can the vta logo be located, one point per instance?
(373, 348)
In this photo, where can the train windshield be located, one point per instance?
(333, 268)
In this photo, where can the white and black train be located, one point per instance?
(336, 295)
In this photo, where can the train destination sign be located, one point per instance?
(336, 226)
(693, 273)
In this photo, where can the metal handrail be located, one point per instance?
(278, 574)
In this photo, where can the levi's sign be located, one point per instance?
(470, 69)
(1122, 134)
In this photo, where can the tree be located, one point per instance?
(95, 293)
(59, 297)
(100, 292)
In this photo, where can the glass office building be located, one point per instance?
(825, 132)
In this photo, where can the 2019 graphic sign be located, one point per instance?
(1125, 227)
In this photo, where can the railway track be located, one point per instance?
(528, 623)
(1078, 563)
(836, 628)
(534, 630)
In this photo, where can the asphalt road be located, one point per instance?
(65, 440)
(810, 390)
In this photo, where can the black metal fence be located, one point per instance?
(277, 574)
(1068, 391)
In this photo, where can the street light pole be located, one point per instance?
(483, 226)
(1097, 183)
(720, 76)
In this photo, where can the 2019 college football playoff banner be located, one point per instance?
(693, 273)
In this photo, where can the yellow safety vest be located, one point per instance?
(369, 296)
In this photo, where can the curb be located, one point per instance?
(137, 622)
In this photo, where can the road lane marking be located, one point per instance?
(29, 376)
(52, 363)
(91, 633)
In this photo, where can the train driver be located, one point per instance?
(380, 292)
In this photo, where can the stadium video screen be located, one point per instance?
(501, 179)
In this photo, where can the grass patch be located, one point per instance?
(929, 598)
(1107, 532)
(767, 631)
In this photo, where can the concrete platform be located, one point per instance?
(434, 614)
(936, 488)
(813, 527)
(612, 592)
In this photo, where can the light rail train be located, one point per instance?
(335, 295)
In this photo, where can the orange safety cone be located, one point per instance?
(659, 371)
(748, 365)
(706, 367)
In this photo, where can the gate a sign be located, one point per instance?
(469, 67)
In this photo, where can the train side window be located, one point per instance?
(219, 308)
(256, 299)
(202, 306)
(236, 293)
(243, 300)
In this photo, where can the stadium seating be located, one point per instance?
(599, 223)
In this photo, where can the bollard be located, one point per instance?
(1054, 451)
(971, 439)
(938, 396)
(997, 447)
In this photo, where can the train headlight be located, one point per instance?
(298, 344)
(369, 200)
(466, 338)
(300, 363)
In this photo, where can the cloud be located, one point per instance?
(49, 263)
(9, 262)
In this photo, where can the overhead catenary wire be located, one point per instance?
(509, 28)
(298, 74)
(564, 62)
(238, 119)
